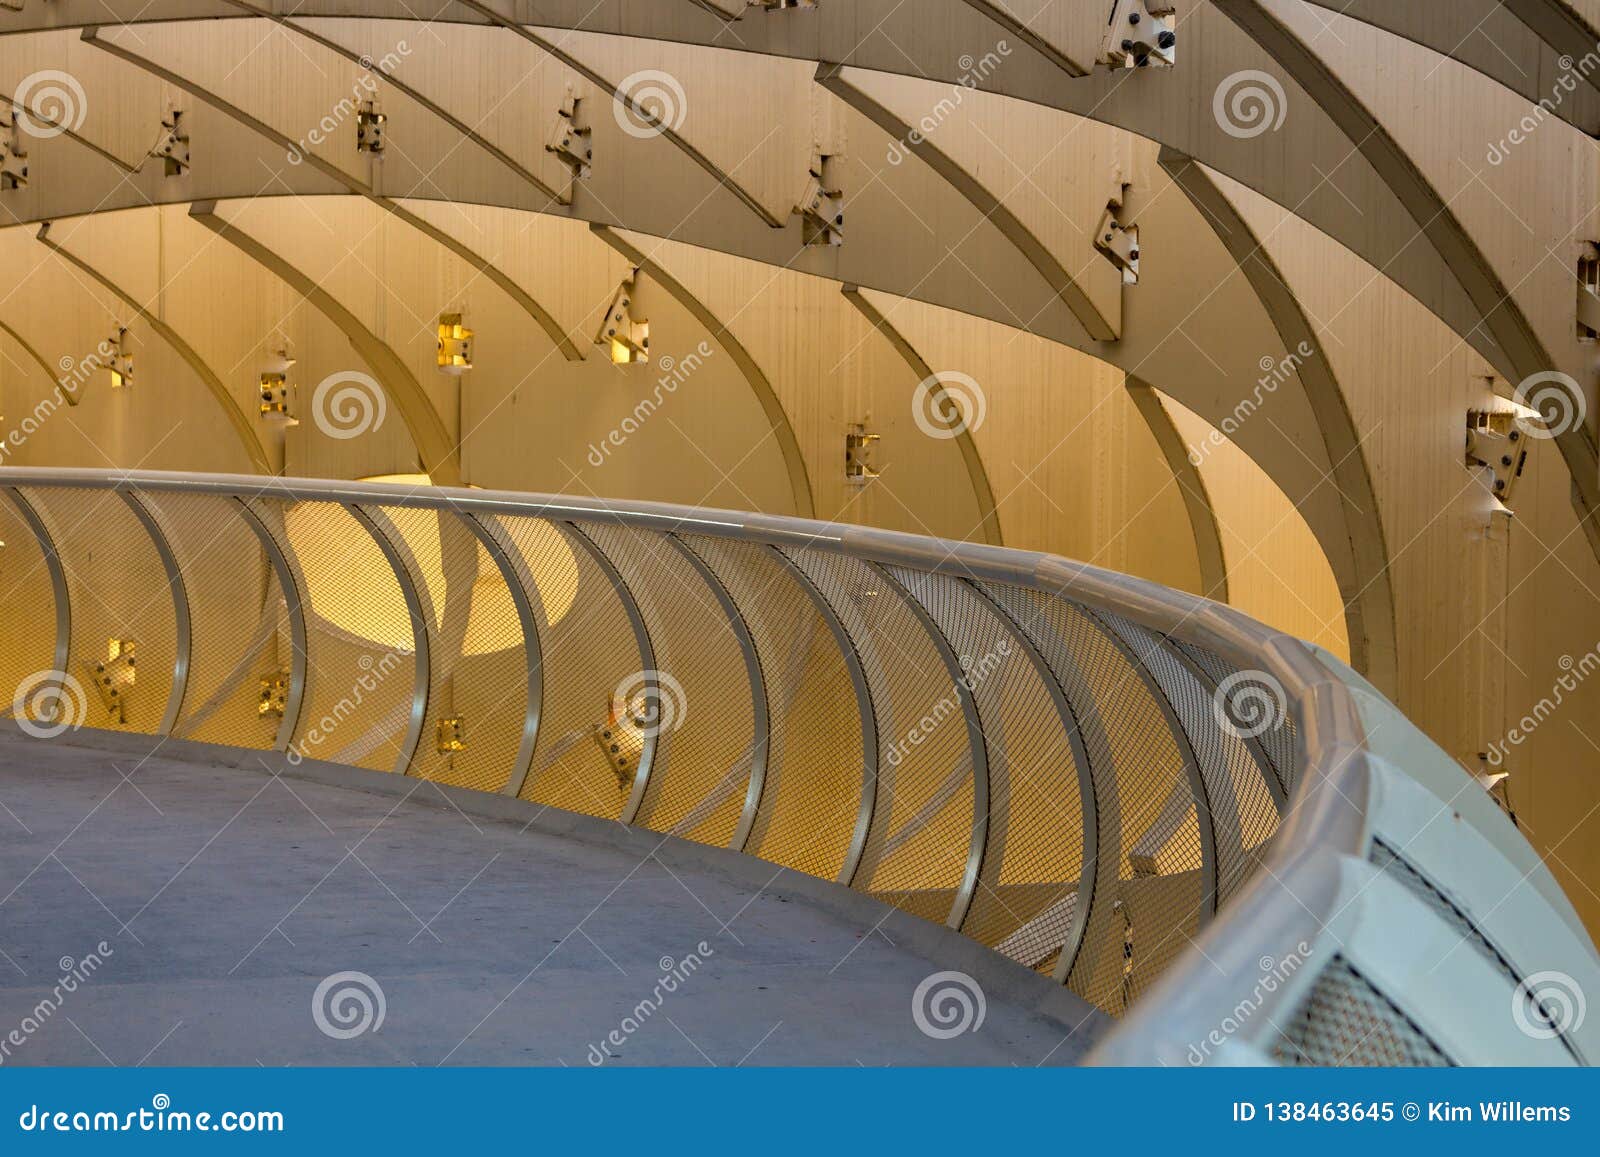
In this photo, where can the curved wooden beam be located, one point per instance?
(1560, 27)
(72, 135)
(1028, 36)
(1361, 562)
(435, 446)
(494, 273)
(1501, 316)
(831, 77)
(1191, 484)
(27, 348)
(718, 174)
(777, 417)
(1489, 37)
(237, 418)
(432, 106)
(925, 40)
(982, 492)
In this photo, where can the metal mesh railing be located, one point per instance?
(1081, 771)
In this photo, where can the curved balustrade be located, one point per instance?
(1182, 815)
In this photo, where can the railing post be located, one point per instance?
(379, 526)
(295, 608)
(869, 719)
(182, 626)
(975, 743)
(760, 718)
(58, 577)
(489, 532)
(647, 656)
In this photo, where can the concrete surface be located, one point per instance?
(224, 895)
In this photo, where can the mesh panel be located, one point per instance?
(119, 594)
(1346, 1022)
(1278, 740)
(1147, 892)
(236, 617)
(478, 686)
(360, 654)
(28, 644)
(1243, 814)
(590, 654)
(703, 761)
(1033, 854)
(916, 849)
(812, 791)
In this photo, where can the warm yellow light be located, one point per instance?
(621, 352)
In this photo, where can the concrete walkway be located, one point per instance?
(225, 895)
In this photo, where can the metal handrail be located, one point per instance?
(1326, 817)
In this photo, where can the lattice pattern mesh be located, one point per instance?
(1033, 853)
(118, 591)
(1346, 1022)
(590, 657)
(1147, 892)
(916, 849)
(237, 619)
(360, 653)
(478, 689)
(1278, 739)
(28, 644)
(704, 759)
(1084, 716)
(814, 776)
(1243, 813)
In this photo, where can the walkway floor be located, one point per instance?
(224, 897)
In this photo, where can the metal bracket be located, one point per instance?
(114, 677)
(369, 128)
(455, 344)
(274, 695)
(571, 142)
(1117, 242)
(859, 464)
(172, 146)
(13, 156)
(821, 206)
(627, 338)
(1137, 36)
(1496, 444)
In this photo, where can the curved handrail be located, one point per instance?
(1358, 863)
